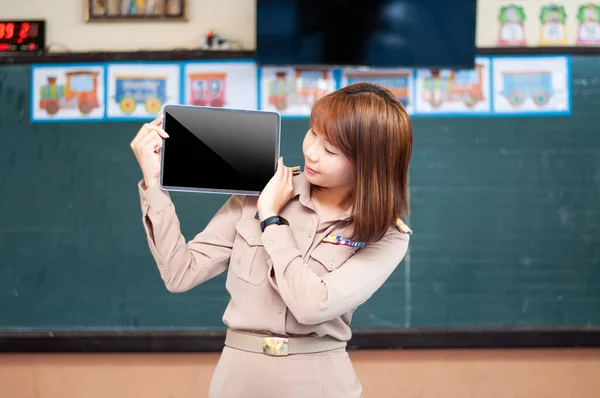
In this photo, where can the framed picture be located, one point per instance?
(135, 10)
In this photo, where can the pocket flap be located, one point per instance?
(249, 229)
(332, 256)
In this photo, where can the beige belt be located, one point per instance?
(279, 345)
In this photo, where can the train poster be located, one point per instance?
(221, 84)
(292, 91)
(537, 85)
(67, 92)
(454, 92)
(139, 91)
(399, 81)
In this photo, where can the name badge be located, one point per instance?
(340, 240)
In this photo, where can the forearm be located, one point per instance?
(315, 299)
(184, 265)
(300, 288)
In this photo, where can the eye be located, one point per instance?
(329, 152)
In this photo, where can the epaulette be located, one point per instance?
(403, 227)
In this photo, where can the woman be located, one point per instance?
(293, 285)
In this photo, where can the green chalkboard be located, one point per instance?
(505, 213)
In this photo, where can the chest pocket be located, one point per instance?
(327, 257)
(248, 255)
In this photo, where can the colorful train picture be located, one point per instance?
(208, 89)
(518, 86)
(80, 91)
(150, 91)
(396, 82)
(304, 87)
(464, 86)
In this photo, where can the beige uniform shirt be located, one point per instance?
(284, 280)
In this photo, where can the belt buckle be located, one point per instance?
(277, 346)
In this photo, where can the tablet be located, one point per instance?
(219, 150)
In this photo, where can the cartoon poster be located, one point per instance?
(399, 81)
(531, 84)
(511, 30)
(588, 24)
(454, 92)
(292, 91)
(553, 28)
(229, 84)
(67, 92)
(538, 23)
(141, 90)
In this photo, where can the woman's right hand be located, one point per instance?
(146, 147)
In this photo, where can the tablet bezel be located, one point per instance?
(166, 108)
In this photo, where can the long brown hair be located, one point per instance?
(372, 129)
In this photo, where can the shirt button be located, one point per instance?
(310, 234)
(331, 264)
(268, 244)
(280, 309)
(193, 267)
(252, 240)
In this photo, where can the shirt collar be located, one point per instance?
(302, 189)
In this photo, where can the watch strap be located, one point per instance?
(273, 220)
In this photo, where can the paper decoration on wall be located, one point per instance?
(553, 29)
(399, 81)
(293, 91)
(446, 91)
(221, 84)
(512, 26)
(141, 90)
(539, 23)
(67, 92)
(531, 85)
(588, 29)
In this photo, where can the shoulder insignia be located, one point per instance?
(403, 227)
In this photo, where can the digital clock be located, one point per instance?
(22, 36)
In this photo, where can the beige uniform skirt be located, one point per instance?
(242, 374)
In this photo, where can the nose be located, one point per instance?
(311, 152)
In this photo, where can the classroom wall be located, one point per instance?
(385, 374)
(394, 373)
(68, 31)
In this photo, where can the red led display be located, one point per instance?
(22, 36)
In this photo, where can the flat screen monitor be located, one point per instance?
(371, 33)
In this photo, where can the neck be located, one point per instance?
(339, 198)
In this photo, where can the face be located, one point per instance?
(324, 164)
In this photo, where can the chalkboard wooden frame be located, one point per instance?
(206, 341)
(368, 339)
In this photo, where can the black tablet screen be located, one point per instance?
(212, 148)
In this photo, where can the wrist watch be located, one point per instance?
(273, 220)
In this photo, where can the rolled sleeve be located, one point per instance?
(278, 238)
(153, 200)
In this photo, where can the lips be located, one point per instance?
(310, 169)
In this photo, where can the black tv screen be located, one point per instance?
(375, 33)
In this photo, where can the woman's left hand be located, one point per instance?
(278, 191)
